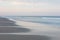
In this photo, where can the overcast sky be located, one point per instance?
(29, 7)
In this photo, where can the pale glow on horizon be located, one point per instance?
(12, 6)
(24, 7)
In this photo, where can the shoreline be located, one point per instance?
(35, 29)
(7, 33)
(9, 26)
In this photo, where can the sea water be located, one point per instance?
(49, 20)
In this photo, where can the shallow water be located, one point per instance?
(50, 20)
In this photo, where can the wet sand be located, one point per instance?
(23, 37)
(13, 30)
(9, 26)
(6, 22)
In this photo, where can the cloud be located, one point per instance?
(40, 6)
(53, 8)
(28, 6)
(14, 6)
(27, 0)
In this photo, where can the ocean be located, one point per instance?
(49, 20)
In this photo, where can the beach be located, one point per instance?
(10, 30)
(40, 29)
(23, 37)
(24, 30)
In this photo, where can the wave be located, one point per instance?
(39, 19)
(49, 18)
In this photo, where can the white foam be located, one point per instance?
(41, 27)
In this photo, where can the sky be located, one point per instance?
(29, 7)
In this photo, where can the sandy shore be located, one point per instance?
(6, 22)
(14, 30)
(21, 30)
(23, 37)
(9, 26)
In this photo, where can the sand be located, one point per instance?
(23, 37)
(21, 30)
(9, 26)
(10, 30)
